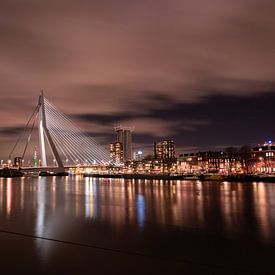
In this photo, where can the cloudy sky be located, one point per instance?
(198, 71)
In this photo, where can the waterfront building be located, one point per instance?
(221, 162)
(152, 166)
(124, 136)
(116, 152)
(263, 158)
(188, 163)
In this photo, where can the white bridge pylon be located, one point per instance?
(44, 133)
(67, 142)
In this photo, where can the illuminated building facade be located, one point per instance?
(124, 136)
(263, 158)
(116, 152)
(164, 149)
(210, 162)
(260, 159)
(152, 166)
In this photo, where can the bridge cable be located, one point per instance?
(71, 138)
(29, 137)
(25, 129)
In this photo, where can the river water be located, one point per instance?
(46, 222)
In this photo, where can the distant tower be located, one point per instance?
(124, 136)
(35, 158)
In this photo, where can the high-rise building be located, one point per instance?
(124, 136)
(164, 149)
(116, 152)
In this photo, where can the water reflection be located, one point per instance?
(141, 210)
(262, 202)
(9, 197)
(89, 195)
(40, 223)
(59, 205)
(41, 204)
(22, 181)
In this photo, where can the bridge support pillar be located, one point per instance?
(45, 134)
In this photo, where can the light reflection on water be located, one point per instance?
(55, 205)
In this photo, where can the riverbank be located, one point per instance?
(15, 173)
(11, 173)
(138, 176)
(203, 177)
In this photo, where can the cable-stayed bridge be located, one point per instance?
(61, 139)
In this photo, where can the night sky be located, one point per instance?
(199, 72)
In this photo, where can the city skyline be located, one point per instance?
(106, 64)
(146, 150)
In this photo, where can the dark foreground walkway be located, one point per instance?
(19, 256)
